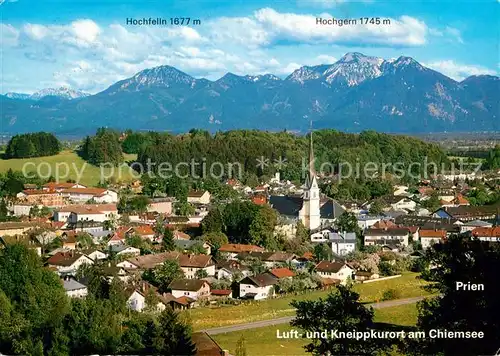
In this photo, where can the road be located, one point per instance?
(287, 319)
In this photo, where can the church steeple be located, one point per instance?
(310, 212)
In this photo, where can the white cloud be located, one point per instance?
(458, 71)
(267, 26)
(9, 35)
(85, 30)
(325, 59)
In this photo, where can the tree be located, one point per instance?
(167, 241)
(165, 273)
(459, 259)
(201, 273)
(84, 240)
(104, 147)
(212, 222)
(34, 302)
(340, 310)
(241, 349)
(323, 252)
(261, 229)
(348, 222)
(171, 336)
(301, 233)
(216, 239)
(36, 144)
(375, 208)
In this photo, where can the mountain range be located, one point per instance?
(356, 93)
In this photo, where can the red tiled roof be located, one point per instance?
(486, 231)
(63, 258)
(259, 200)
(282, 272)
(144, 230)
(89, 191)
(39, 192)
(441, 234)
(237, 248)
(220, 291)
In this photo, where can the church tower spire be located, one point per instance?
(310, 212)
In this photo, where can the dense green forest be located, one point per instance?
(104, 147)
(246, 146)
(37, 318)
(36, 144)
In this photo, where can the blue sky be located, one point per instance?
(87, 45)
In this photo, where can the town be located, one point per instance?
(262, 241)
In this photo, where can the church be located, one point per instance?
(312, 208)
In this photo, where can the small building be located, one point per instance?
(231, 269)
(67, 263)
(137, 298)
(74, 289)
(381, 236)
(94, 254)
(429, 237)
(221, 293)
(232, 250)
(491, 234)
(161, 205)
(270, 259)
(187, 245)
(82, 195)
(120, 250)
(260, 286)
(192, 288)
(281, 273)
(474, 224)
(334, 270)
(199, 197)
(365, 276)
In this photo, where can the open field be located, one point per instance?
(203, 318)
(263, 341)
(76, 167)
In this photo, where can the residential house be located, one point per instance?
(41, 197)
(60, 186)
(137, 297)
(429, 237)
(82, 195)
(94, 254)
(69, 240)
(118, 237)
(179, 235)
(474, 224)
(187, 245)
(383, 236)
(234, 249)
(161, 205)
(283, 272)
(74, 289)
(67, 263)
(231, 269)
(121, 250)
(192, 288)
(343, 243)
(221, 293)
(334, 270)
(144, 231)
(199, 197)
(366, 221)
(467, 213)
(270, 259)
(89, 212)
(491, 234)
(189, 263)
(10, 228)
(260, 286)
(398, 202)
